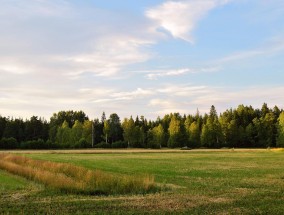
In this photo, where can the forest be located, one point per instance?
(242, 127)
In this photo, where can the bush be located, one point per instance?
(51, 145)
(103, 145)
(84, 144)
(115, 145)
(34, 144)
(153, 145)
(8, 143)
(119, 144)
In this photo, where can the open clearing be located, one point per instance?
(196, 182)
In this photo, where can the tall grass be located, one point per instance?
(75, 179)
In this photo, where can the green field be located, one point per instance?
(194, 182)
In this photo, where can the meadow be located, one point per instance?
(192, 181)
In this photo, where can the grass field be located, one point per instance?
(195, 181)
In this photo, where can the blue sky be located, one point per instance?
(139, 57)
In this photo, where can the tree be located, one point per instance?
(34, 129)
(128, 130)
(15, 128)
(8, 143)
(175, 133)
(280, 129)
(63, 135)
(265, 135)
(233, 134)
(115, 130)
(142, 136)
(70, 117)
(3, 121)
(133, 135)
(213, 113)
(264, 110)
(211, 135)
(103, 117)
(250, 135)
(98, 131)
(224, 121)
(137, 121)
(76, 133)
(205, 136)
(269, 122)
(106, 130)
(194, 135)
(138, 137)
(157, 137)
(276, 111)
(87, 132)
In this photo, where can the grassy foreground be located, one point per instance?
(200, 182)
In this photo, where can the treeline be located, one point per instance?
(243, 127)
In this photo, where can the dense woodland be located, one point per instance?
(243, 127)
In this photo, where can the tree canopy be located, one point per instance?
(243, 126)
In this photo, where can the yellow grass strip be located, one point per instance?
(71, 178)
(277, 149)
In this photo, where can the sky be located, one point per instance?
(149, 57)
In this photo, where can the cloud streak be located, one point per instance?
(156, 74)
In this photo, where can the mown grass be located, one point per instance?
(74, 179)
(201, 182)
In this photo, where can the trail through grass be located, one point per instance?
(11, 183)
(71, 178)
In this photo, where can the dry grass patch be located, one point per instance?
(71, 178)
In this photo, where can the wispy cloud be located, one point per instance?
(52, 36)
(183, 90)
(273, 46)
(155, 74)
(14, 69)
(163, 73)
(138, 93)
(181, 17)
(111, 55)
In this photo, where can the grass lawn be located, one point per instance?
(196, 181)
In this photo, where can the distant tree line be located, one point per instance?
(243, 127)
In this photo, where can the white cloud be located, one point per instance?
(163, 73)
(155, 74)
(183, 91)
(14, 69)
(138, 93)
(181, 17)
